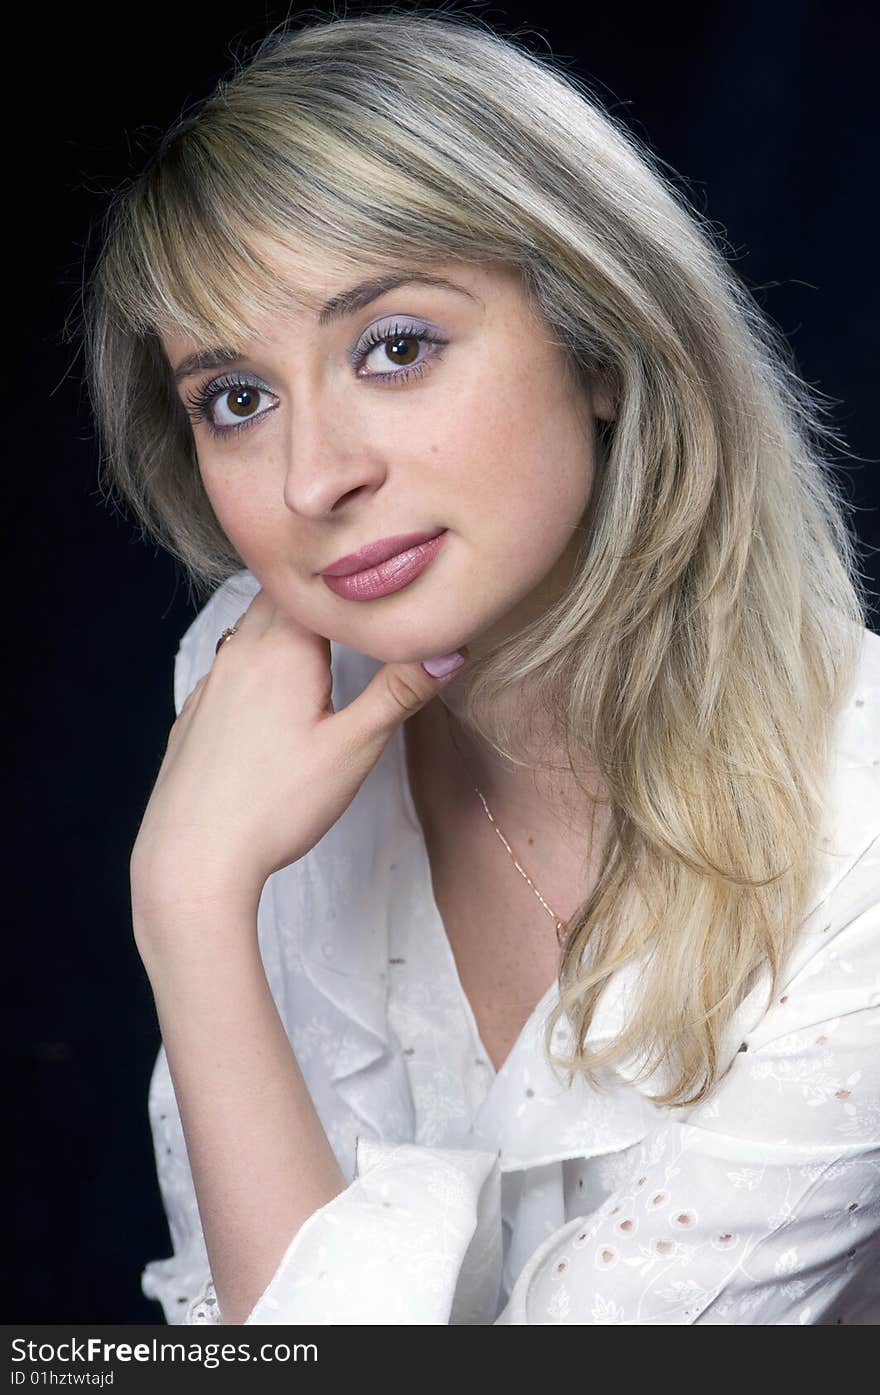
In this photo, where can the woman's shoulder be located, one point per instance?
(863, 710)
(854, 776)
(195, 654)
(847, 890)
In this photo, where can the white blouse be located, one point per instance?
(485, 1197)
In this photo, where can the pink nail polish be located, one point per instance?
(438, 668)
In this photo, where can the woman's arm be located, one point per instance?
(260, 1159)
(259, 766)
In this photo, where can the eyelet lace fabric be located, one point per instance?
(204, 1309)
(484, 1197)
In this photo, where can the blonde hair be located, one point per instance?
(710, 634)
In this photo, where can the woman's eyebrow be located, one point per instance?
(340, 305)
(346, 302)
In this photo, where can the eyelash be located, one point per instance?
(201, 401)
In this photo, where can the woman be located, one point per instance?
(399, 281)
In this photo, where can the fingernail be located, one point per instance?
(438, 668)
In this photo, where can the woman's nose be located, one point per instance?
(324, 467)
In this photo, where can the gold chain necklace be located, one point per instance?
(560, 925)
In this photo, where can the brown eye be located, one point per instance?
(396, 351)
(242, 400)
(403, 350)
(227, 404)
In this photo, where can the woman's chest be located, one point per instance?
(502, 937)
(503, 943)
(501, 933)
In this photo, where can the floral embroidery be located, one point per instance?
(606, 1311)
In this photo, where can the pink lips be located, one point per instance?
(392, 573)
(375, 552)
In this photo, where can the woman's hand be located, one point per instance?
(258, 764)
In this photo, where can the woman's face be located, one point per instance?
(482, 434)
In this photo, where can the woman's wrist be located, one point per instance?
(185, 926)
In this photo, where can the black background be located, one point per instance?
(767, 113)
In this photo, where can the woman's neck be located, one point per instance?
(543, 809)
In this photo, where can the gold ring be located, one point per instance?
(226, 635)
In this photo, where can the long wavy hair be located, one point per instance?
(710, 633)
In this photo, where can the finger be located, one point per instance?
(260, 608)
(193, 694)
(229, 633)
(393, 694)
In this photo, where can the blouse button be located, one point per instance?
(327, 950)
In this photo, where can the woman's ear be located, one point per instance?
(603, 400)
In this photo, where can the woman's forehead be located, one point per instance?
(303, 282)
(299, 285)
